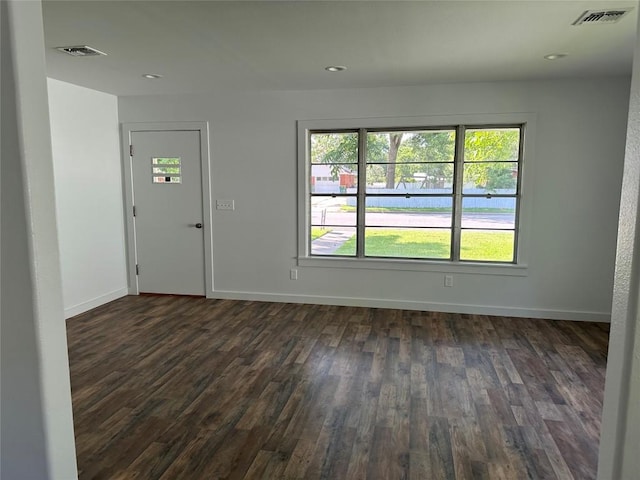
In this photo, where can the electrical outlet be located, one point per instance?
(293, 274)
(448, 280)
(225, 205)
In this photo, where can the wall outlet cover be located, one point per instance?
(225, 205)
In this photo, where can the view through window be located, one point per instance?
(447, 193)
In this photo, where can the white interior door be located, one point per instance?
(167, 197)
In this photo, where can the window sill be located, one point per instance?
(520, 270)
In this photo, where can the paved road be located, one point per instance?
(330, 242)
(335, 216)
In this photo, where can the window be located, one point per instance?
(449, 194)
(166, 170)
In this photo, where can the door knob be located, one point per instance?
(198, 225)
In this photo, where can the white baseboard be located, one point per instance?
(575, 315)
(94, 302)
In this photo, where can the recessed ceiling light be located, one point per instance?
(555, 56)
(151, 76)
(335, 68)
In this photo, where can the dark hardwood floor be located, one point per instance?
(171, 387)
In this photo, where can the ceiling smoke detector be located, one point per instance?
(601, 17)
(81, 51)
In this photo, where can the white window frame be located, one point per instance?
(495, 120)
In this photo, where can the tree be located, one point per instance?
(434, 150)
(336, 149)
(490, 156)
(339, 150)
(395, 139)
(389, 154)
(495, 153)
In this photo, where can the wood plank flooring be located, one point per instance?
(171, 387)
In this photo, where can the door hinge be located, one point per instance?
(131, 150)
(137, 269)
(134, 210)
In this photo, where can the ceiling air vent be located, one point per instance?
(600, 17)
(81, 51)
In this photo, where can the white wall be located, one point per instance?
(22, 411)
(577, 171)
(88, 181)
(620, 435)
(37, 439)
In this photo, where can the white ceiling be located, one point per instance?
(201, 46)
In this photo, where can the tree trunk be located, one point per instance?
(394, 143)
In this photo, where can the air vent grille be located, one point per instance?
(600, 17)
(81, 51)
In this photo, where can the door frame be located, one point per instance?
(127, 177)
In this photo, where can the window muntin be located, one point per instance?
(333, 183)
(490, 194)
(443, 193)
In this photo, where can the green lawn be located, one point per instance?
(317, 232)
(486, 245)
(421, 243)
